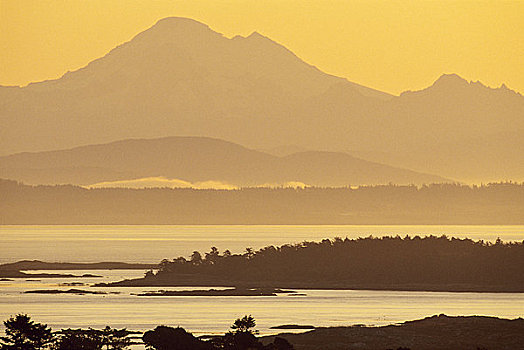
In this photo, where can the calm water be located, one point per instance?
(204, 315)
(154, 243)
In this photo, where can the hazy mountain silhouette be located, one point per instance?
(182, 78)
(198, 159)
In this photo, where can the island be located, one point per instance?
(293, 326)
(69, 291)
(387, 263)
(27, 265)
(9, 274)
(16, 269)
(248, 292)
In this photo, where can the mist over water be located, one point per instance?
(150, 244)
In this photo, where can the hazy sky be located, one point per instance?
(389, 45)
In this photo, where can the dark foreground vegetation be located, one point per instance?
(499, 203)
(432, 333)
(391, 263)
(21, 333)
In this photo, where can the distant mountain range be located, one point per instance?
(197, 160)
(182, 78)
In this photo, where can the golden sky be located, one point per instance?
(389, 45)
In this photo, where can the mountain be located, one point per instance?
(454, 128)
(178, 77)
(181, 78)
(196, 160)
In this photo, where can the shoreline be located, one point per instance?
(15, 271)
(145, 282)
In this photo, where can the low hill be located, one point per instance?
(198, 159)
(432, 333)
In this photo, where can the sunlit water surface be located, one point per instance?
(204, 315)
(153, 243)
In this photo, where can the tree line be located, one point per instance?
(497, 203)
(370, 261)
(22, 333)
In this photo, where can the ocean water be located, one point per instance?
(214, 315)
(150, 244)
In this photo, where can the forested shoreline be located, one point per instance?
(386, 263)
(497, 203)
(22, 333)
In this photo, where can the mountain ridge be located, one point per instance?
(450, 80)
(199, 159)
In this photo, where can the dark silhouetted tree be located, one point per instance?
(213, 256)
(21, 333)
(242, 336)
(196, 258)
(245, 324)
(169, 338)
(93, 339)
(249, 253)
(78, 339)
(115, 339)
